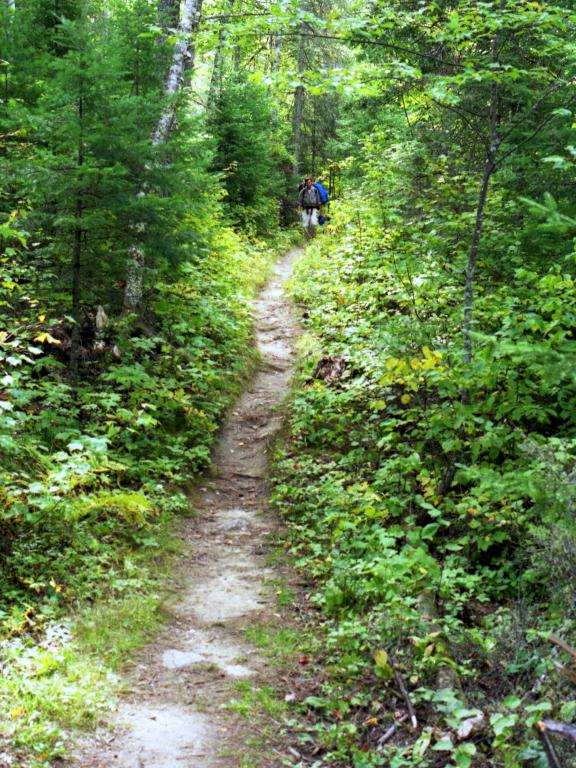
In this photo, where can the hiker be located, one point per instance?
(309, 203)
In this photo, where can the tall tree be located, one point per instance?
(182, 58)
(299, 103)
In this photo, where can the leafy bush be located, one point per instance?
(431, 501)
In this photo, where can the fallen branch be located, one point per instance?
(552, 757)
(563, 644)
(405, 695)
(564, 729)
(387, 735)
(570, 674)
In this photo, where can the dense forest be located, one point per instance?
(150, 157)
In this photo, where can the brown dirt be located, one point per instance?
(172, 716)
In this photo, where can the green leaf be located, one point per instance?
(512, 702)
(502, 723)
(444, 745)
(463, 754)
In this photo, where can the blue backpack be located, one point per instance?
(322, 191)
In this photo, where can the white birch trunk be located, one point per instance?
(298, 104)
(277, 50)
(183, 50)
(218, 66)
(182, 59)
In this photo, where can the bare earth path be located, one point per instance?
(171, 717)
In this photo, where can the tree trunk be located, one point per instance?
(77, 249)
(216, 78)
(277, 50)
(298, 106)
(472, 258)
(182, 58)
(6, 23)
(314, 145)
(489, 167)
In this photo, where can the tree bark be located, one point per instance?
(489, 168)
(7, 21)
(216, 78)
(277, 50)
(77, 249)
(298, 106)
(182, 58)
(237, 58)
(184, 51)
(472, 258)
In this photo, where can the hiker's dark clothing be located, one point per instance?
(309, 198)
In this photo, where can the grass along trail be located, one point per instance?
(171, 716)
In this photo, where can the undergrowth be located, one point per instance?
(430, 503)
(94, 477)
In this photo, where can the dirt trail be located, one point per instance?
(172, 716)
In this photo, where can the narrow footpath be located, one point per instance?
(171, 716)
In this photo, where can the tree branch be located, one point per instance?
(554, 87)
(466, 120)
(534, 133)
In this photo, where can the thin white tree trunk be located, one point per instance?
(298, 105)
(218, 66)
(277, 50)
(182, 59)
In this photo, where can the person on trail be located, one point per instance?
(309, 203)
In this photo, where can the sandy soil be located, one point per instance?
(172, 716)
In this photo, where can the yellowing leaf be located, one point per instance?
(405, 399)
(371, 721)
(381, 658)
(42, 318)
(382, 662)
(46, 337)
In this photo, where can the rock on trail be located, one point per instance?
(172, 717)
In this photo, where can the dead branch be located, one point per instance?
(387, 735)
(563, 644)
(405, 695)
(564, 729)
(552, 757)
(570, 674)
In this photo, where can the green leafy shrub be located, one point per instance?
(430, 500)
